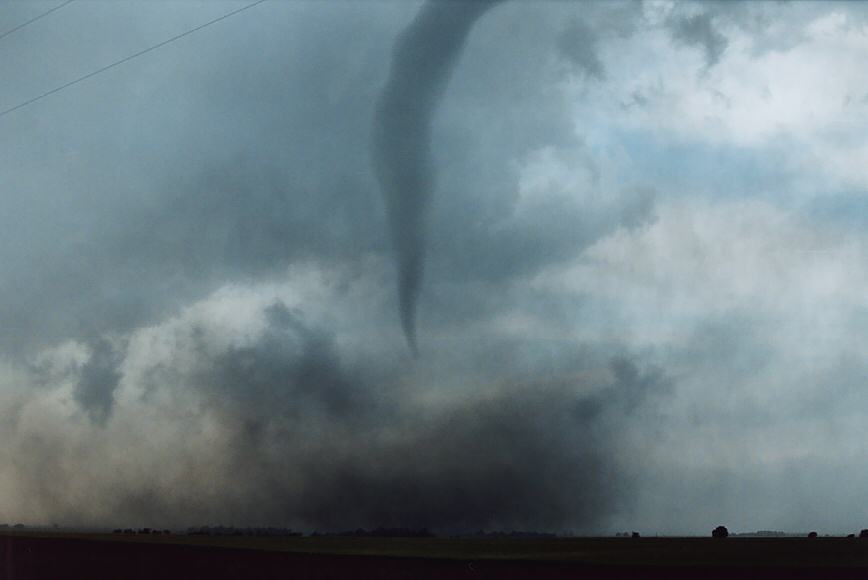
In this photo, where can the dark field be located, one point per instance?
(44, 556)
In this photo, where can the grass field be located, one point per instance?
(690, 551)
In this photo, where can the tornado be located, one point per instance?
(423, 58)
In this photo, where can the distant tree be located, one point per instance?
(812, 535)
(634, 535)
(863, 534)
(720, 532)
(851, 535)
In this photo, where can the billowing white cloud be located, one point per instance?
(802, 103)
(759, 313)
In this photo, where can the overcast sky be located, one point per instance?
(643, 303)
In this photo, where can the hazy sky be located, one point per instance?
(643, 303)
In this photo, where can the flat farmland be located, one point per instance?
(57, 555)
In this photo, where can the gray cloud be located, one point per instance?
(285, 427)
(577, 43)
(292, 370)
(241, 169)
(98, 379)
(227, 161)
(699, 30)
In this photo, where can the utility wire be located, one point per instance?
(32, 20)
(128, 58)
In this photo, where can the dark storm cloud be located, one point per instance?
(578, 44)
(699, 30)
(98, 379)
(187, 173)
(231, 158)
(306, 438)
(204, 164)
(291, 370)
(423, 58)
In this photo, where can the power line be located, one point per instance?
(128, 58)
(32, 20)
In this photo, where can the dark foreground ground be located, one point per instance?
(57, 556)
